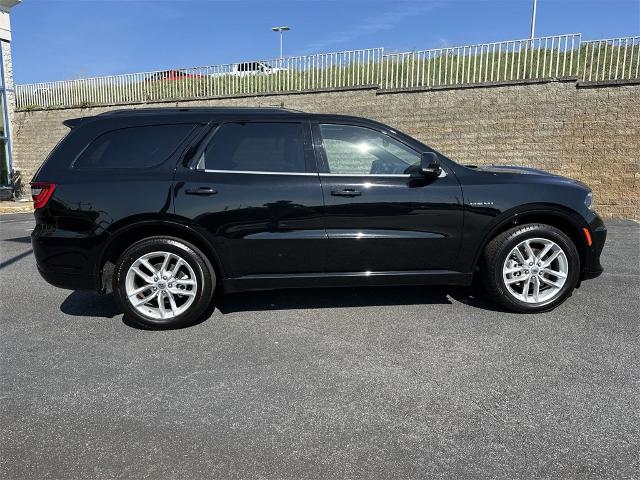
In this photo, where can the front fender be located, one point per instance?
(481, 228)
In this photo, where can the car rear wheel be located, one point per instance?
(531, 268)
(163, 282)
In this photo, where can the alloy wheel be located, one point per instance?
(161, 285)
(535, 271)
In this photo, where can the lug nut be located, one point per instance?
(155, 279)
(164, 278)
(526, 271)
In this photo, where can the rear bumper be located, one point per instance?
(593, 268)
(70, 280)
(63, 258)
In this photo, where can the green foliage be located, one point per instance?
(412, 70)
(601, 61)
(591, 61)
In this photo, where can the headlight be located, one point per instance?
(588, 200)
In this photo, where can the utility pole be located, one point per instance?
(533, 19)
(281, 30)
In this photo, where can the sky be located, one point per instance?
(68, 39)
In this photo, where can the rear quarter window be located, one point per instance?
(133, 147)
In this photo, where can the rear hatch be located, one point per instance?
(52, 170)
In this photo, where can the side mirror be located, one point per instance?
(430, 165)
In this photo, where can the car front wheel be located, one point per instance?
(163, 282)
(531, 268)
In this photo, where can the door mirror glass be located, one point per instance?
(430, 165)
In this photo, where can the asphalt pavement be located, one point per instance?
(393, 382)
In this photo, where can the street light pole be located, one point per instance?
(281, 30)
(533, 19)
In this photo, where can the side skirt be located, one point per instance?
(346, 279)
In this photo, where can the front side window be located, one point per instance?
(352, 150)
(134, 147)
(256, 147)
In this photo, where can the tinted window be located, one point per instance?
(258, 147)
(352, 150)
(135, 147)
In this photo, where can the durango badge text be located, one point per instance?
(165, 207)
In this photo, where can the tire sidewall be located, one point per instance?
(189, 254)
(537, 231)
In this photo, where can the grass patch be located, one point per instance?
(592, 62)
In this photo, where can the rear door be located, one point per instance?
(256, 194)
(380, 215)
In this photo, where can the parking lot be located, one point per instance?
(409, 382)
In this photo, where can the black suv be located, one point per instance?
(166, 206)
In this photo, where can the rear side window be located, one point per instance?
(134, 147)
(257, 147)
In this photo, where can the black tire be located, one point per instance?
(497, 251)
(204, 273)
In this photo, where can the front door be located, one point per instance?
(255, 192)
(379, 214)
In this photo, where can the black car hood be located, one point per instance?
(515, 170)
(512, 169)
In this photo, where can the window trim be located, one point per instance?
(258, 172)
(443, 174)
(323, 162)
(307, 149)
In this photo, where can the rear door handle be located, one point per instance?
(201, 191)
(347, 192)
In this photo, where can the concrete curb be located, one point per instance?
(16, 207)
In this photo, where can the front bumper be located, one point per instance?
(592, 267)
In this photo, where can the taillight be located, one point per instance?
(41, 193)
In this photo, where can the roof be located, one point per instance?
(201, 114)
(202, 110)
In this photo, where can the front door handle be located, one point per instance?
(201, 191)
(347, 192)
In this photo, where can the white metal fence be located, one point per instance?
(538, 58)
(320, 71)
(611, 59)
(529, 59)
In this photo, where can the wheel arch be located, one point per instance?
(562, 218)
(129, 234)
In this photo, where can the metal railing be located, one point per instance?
(611, 59)
(320, 71)
(538, 58)
(541, 58)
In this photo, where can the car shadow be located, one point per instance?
(15, 258)
(349, 297)
(90, 304)
(82, 303)
(26, 240)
